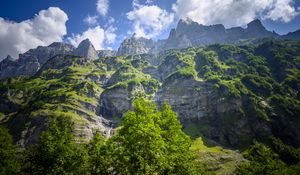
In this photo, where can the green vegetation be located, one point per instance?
(8, 157)
(262, 160)
(261, 80)
(150, 141)
(215, 159)
(57, 152)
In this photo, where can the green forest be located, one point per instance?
(149, 141)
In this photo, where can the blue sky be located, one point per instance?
(148, 18)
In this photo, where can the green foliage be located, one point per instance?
(151, 142)
(8, 159)
(99, 157)
(287, 153)
(263, 160)
(57, 152)
(286, 106)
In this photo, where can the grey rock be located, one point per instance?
(292, 35)
(189, 34)
(135, 45)
(86, 49)
(30, 62)
(106, 53)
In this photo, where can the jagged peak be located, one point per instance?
(85, 44)
(255, 24)
(10, 58)
(59, 44)
(185, 21)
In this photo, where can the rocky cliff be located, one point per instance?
(28, 63)
(86, 50)
(189, 33)
(31, 61)
(135, 45)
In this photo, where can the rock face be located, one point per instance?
(135, 45)
(86, 49)
(189, 33)
(30, 62)
(192, 99)
(292, 35)
(255, 29)
(115, 102)
(106, 53)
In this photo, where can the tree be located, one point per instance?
(99, 161)
(8, 161)
(150, 142)
(262, 161)
(57, 152)
(178, 143)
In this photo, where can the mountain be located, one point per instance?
(190, 34)
(187, 34)
(135, 45)
(231, 95)
(228, 93)
(106, 53)
(86, 50)
(292, 35)
(31, 61)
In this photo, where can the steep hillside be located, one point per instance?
(228, 94)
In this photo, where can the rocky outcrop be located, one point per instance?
(292, 35)
(189, 33)
(192, 99)
(135, 45)
(30, 62)
(115, 102)
(86, 49)
(106, 53)
(255, 29)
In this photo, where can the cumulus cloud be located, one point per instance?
(149, 20)
(90, 20)
(235, 12)
(102, 7)
(110, 35)
(46, 27)
(97, 35)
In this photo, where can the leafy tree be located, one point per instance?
(8, 162)
(262, 161)
(150, 142)
(57, 152)
(179, 157)
(99, 160)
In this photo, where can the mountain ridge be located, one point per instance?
(187, 34)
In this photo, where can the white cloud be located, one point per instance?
(102, 7)
(110, 35)
(97, 35)
(90, 20)
(46, 27)
(235, 12)
(283, 10)
(149, 20)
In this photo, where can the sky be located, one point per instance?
(27, 24)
